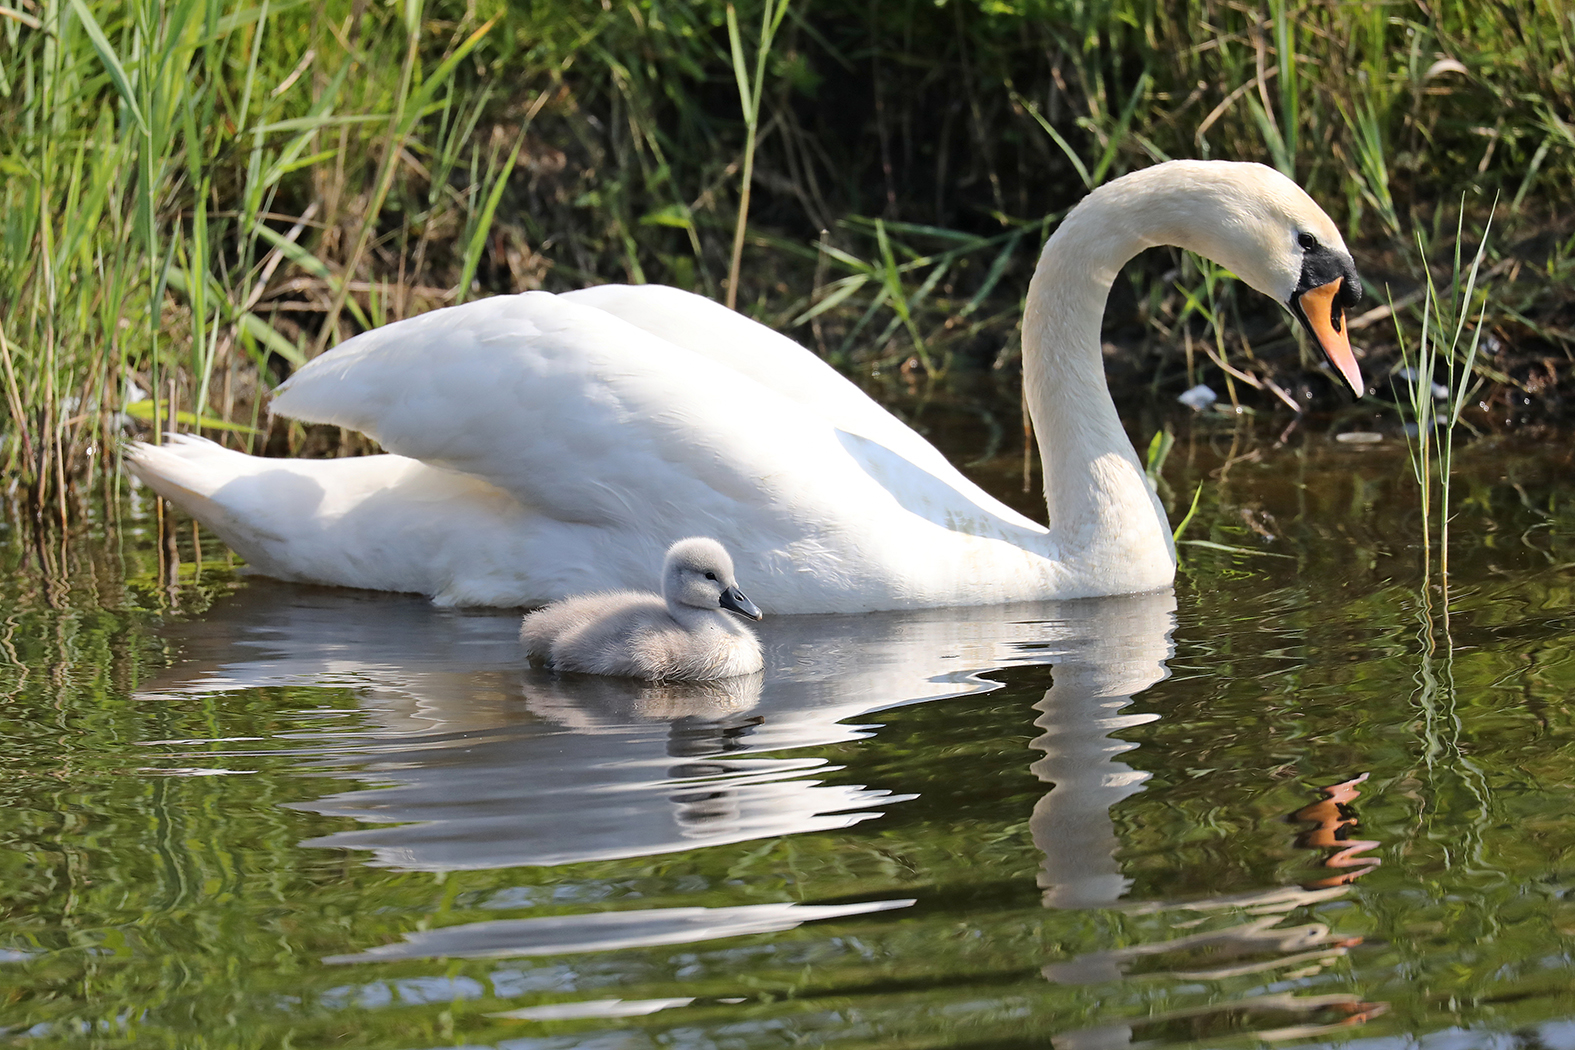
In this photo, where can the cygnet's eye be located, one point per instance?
(1307, 241)
(710, 575)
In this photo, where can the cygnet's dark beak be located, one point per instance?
(733, 600)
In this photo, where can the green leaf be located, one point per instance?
(293, 251)
(1139, 90)
(478, 237)
(231, 22)
(1158, 451)
(250, 323)
(997, 269)
(314, 123)
(736, 44)
(675, 215)
(1055, 136)
(415, 107)
(266, 334)
(143, 410)
(844, 288)
(1182, 526)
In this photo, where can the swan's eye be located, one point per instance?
(1307, 241)
(710, 575)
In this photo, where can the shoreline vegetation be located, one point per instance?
(199, 197)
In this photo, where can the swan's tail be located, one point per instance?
(381, 522)
(260, 507)
(187, 471)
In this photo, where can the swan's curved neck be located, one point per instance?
(1104, 518)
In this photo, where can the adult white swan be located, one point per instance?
(548, 445)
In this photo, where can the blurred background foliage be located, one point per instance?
(200, 196)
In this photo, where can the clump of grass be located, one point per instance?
(902, 278)
(1440, 376)
(149, 145)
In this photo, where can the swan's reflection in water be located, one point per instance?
(1071, 826)
(606, 769)
(481, 762)
(478, 762)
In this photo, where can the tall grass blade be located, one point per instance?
(1186, 519)
(1056, 137)
(1119, 134)
(750, 86)
(483, 225)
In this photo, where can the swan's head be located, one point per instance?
(699, 573)
(1265, 229)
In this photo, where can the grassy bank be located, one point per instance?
(198, 197)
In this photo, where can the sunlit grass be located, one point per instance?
(138, 244)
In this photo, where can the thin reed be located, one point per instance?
(1438, 378)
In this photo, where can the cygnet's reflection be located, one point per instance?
(610, 768)
(478, 761)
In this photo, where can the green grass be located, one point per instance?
(198, 197)
(1438, 380)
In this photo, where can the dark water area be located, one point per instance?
(1309, 797)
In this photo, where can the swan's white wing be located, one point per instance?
(579, 415)
(778, 363)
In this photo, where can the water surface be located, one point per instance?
(1303, 798)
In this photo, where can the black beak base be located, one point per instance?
(733, 600)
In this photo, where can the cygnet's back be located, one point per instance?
(686, 634)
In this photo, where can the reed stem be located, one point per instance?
(750, 85)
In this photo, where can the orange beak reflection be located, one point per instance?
(1327, 322)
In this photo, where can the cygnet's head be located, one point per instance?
(1264, 228)
(699, 573)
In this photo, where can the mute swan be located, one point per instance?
(549, 445)
(683, 635)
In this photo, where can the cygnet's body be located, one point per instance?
(684, 634)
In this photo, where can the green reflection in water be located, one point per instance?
(155, 889)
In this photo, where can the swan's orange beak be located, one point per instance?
(1325, 319)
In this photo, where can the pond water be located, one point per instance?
(1308, 797)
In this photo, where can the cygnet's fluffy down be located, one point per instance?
(685, 634)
